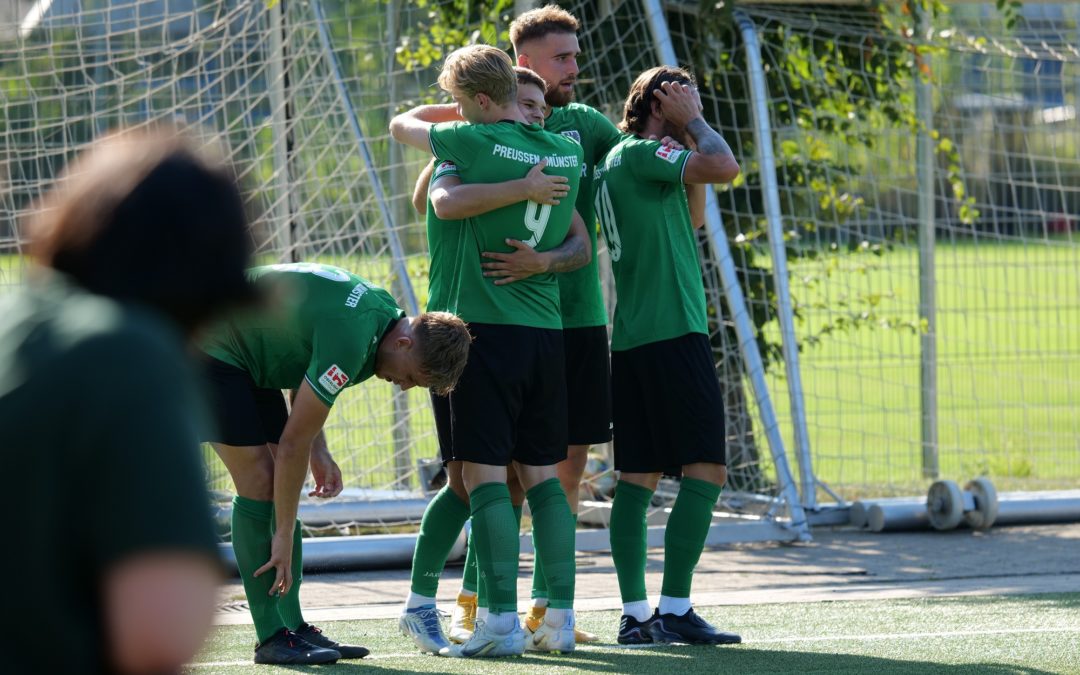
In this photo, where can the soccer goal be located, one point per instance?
(922, 191)
(871, 348)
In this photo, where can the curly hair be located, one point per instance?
(640, 100)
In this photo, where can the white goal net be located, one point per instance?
(301, 99)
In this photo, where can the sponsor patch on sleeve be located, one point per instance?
(333, 379)
(668, 153)
(445, 167)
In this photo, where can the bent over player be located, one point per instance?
(322, 330)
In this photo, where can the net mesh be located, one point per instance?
(840, 85)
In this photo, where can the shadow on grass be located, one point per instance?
(682, 659)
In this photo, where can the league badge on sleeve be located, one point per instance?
(333, 379)
(668, 153)
(445, 167)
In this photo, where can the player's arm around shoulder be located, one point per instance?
(453, 200)
(413, 127)
(420, 191)
(713, 162)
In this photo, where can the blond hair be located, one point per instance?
(480, 69)
(539, 22)
(443, 340)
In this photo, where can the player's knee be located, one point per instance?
(707, 471)
(458, 489)
(256, 481)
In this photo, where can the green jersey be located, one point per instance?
(641, 203)
(101, 401)
(321, 324)
(493, 153)
(579, 291)
(444, 242)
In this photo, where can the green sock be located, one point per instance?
(685, 534)
(252, 524)
(289, 604)
(439, 529)
(496, 544)
(539, 587)
(553, 534)
(481, 587)
(469, 575)
(628, 543)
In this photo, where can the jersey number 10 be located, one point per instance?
(606, 214)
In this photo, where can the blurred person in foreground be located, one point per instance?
(142, 241)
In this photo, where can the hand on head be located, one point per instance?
(679, 103)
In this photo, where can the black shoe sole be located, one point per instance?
(307, 658)
(353, 652)
(674, 638)
(297, 662)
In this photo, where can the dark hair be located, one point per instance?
(144, 217)
(640, 100)
(539, 22)
(526, 76)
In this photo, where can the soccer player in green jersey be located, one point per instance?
(545, 40)
(322, 330)
(667, 406)
(510, 406)
(442, 520)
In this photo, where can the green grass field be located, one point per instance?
(1008, 373)
(984, 636)
(1009, 363)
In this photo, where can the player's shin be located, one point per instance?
(289, 604)
(553, 534)
(628, 543)
(439, 529)
(252, 524)
(684, 538)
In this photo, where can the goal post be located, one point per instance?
(300, 100)
(927, 183)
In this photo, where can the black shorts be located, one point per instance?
(244, 413)
(440, 406)
(588, 386)
(510, 403)
(668, 409)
